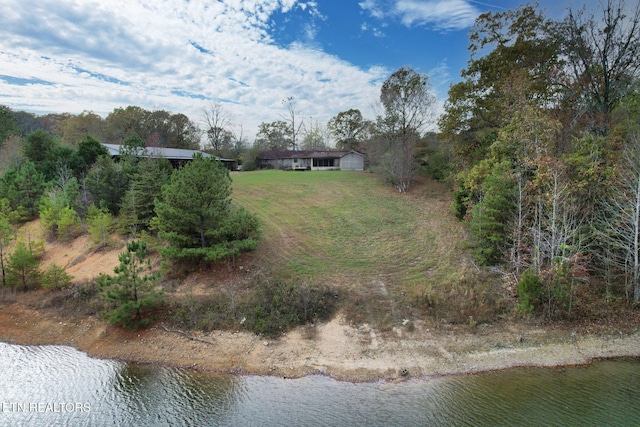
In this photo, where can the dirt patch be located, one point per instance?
(335, 348)
(80, 260)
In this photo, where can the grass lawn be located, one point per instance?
(352, 231)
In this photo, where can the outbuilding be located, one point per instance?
(177, 156)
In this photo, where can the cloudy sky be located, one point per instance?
(247, 55)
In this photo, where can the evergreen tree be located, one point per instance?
(196, 217)
(132, 291)
(6, 234)
(138, 204)
(100, 225)
(58, 210)
(89, 150)
(55, 277)
(490, 217)
(23, 186)
(22, 267)
(108, 181)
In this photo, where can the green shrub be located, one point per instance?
(460, 202)
(283, 305)
(529, 291)
(55, 277)
(22, 267)
(438, 166)
(131, 292)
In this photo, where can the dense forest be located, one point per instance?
(543, 132)
(539, 142)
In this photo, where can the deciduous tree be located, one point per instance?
(273, 136)
(408, 107)
(216, 123)
(349, 129)
(295, 124)
(601, 53)
(74, 129)
(8, 123)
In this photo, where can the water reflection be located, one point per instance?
(117, 393)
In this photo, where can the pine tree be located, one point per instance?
(196, 217)
(55, 277)
(138, 204)
(490, 217)
(23, 186)
(108, 181)
(22, 267)
(132, 291)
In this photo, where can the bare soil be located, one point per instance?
(337, 349)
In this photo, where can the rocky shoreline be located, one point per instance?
(334, 349)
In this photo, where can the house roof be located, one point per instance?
(167, 153)
(305, 154)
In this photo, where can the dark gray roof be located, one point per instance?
(303, 154)
(167, 153)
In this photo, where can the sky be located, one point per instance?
(248, 56)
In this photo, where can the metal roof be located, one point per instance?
(303, 154)
(162, 152)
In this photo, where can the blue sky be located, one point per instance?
(247, 55)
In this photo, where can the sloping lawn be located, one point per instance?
(351, 230)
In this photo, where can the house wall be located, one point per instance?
(352, 162)
(280, 163)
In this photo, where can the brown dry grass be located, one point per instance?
(388, 256)
(391, 255)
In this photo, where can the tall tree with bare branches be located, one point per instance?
(602, 57)
(216, 123)
(408, 105)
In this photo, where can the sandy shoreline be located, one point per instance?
(333, 349)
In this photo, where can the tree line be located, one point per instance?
(543, 131)
(78, 189)
(539, 141)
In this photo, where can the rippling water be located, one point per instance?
(56, 385)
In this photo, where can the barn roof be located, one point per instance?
(162, 152)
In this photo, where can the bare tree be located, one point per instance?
(216, 121)
(408, 108)
(239, 142)
(294, 126)
(602, 58)
(621, 219)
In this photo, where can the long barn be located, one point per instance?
(177, 156)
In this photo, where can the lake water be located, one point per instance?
(57, 385)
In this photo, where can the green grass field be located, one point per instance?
(352, 231)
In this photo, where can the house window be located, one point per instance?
(323, 163)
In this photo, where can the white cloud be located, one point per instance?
(442, 14)
(175, 55)
(439, 14)
(374, 7)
